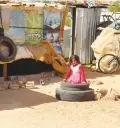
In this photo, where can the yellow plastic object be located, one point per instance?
(46, 53)
(59, 64)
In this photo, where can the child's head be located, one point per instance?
(74, 59)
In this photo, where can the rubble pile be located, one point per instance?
(17, 82)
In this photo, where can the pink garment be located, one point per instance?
(77, 72)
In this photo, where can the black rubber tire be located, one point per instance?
(12, 48)
(100, 68)
(86, 95)
(74, 87)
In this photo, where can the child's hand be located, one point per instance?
(83, 82)
(64, 80)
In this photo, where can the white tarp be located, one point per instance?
(107, 42)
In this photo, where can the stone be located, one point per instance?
(100, 93)
(103, 92)
(14, 86)
(94, 62)
(21, 84)
(99, 82)
(30, 84)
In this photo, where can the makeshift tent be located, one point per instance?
(35, 31)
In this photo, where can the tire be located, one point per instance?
(108, 66)
(86, 95)
(11, 52)
(74, 87)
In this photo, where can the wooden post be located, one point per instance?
(73, 28)
(5, 71)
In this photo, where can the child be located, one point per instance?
(75, 74)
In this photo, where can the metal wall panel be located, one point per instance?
(86, 25)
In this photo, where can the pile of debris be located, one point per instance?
(95, 82)
(17, 82)
(9, 85)
(107, 94)
(104, 93)
(14, 84)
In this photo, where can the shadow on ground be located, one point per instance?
(94, 74)
(13, 99)
(48, 80)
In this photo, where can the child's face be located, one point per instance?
(74, 62)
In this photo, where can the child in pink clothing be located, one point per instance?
(75, 74)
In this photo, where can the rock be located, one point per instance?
(99, 82)
(95, 82)
(93, 68)
(94, 62)
(14, 86)
(115, 94)
(21, 84)
(100, 93)
(90, 81)
(103, 92)
(117, 97)
(30, 84)
(23, 79)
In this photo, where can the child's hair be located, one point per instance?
(74, 57)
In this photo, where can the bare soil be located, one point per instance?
(38, 107)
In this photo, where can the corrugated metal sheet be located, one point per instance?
(86, 22)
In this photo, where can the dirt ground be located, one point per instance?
(38, 108)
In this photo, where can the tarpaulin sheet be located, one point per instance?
(107, 42)
(5, 17)
(46, 54)
(29, 25)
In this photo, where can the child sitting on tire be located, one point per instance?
(75, 74)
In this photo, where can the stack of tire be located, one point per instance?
(75, 92)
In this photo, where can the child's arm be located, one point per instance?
(82, 75)
(67, 75)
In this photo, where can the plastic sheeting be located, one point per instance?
(27, 25)
(107, 42)
(42, 52)
(27, 28)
